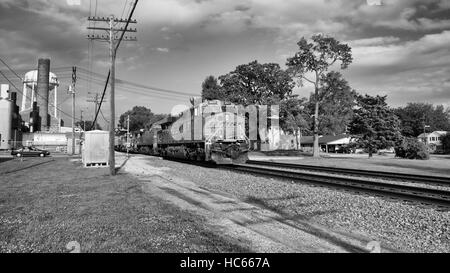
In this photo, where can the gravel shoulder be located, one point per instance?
(266, 230)
(341, 218)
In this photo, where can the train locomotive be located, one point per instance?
(212, 131)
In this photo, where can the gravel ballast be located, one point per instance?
(396, 225)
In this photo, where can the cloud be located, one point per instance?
(398, 47)
(162, 49)
(406, 71)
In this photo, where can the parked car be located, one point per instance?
(30, 151)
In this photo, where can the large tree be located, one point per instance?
(415, 115)
(336, 102)
(375, 126)
(211, 89)
(140, 116)
(294, 116)
(256, 83)
(315, 57)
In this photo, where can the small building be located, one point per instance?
(433, 140)
(327, 143)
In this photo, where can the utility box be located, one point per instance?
(95, 151)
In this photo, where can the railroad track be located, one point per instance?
(421, 195)
(418, 195)
(424, 179)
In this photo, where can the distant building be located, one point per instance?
(327, 143)
(433, 140)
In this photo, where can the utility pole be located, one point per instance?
(72, 91)
(425, 133)
(128, 132)
(96, 101)
(113, 46)
(84, 122)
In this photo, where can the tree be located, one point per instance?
(336, 102)
(411, 148)
(414, 116)
(294, 116)
(316, 57)
(256, 83)
(374, 124)
(446, 143)
(86, 125)
(140, 116)
(211, 89)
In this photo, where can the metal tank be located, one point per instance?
(6, 112)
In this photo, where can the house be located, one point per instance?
(433, 140)
(327, 143)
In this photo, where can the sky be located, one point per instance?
(400, 48)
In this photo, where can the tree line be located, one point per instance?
(334, 107)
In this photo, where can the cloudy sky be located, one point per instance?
(400, 48)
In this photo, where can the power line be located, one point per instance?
(128, 89)
(10, 68)
(114, 53)
(120, 81)
(104, 117)
(124, 6)
(20, 92)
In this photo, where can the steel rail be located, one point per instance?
(422, 195)
(434, 180)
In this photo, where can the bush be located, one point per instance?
(411, 148)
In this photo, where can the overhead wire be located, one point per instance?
(37, 94)
(115, 50)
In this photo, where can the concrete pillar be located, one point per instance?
(43, 91)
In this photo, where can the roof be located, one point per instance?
(325, 139)
(434, 133)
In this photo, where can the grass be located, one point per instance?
(43, 208)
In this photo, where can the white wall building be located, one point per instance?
(433, 139)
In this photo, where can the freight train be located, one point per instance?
(212, 131)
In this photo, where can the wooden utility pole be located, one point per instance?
(96, 101)
(113, 46)
(72, 91)
(128, 132)
(112, 53)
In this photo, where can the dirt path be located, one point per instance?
(265, 230)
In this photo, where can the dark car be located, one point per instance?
(30, 151)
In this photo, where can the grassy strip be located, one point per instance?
(44, 208)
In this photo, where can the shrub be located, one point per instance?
(411, 148)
